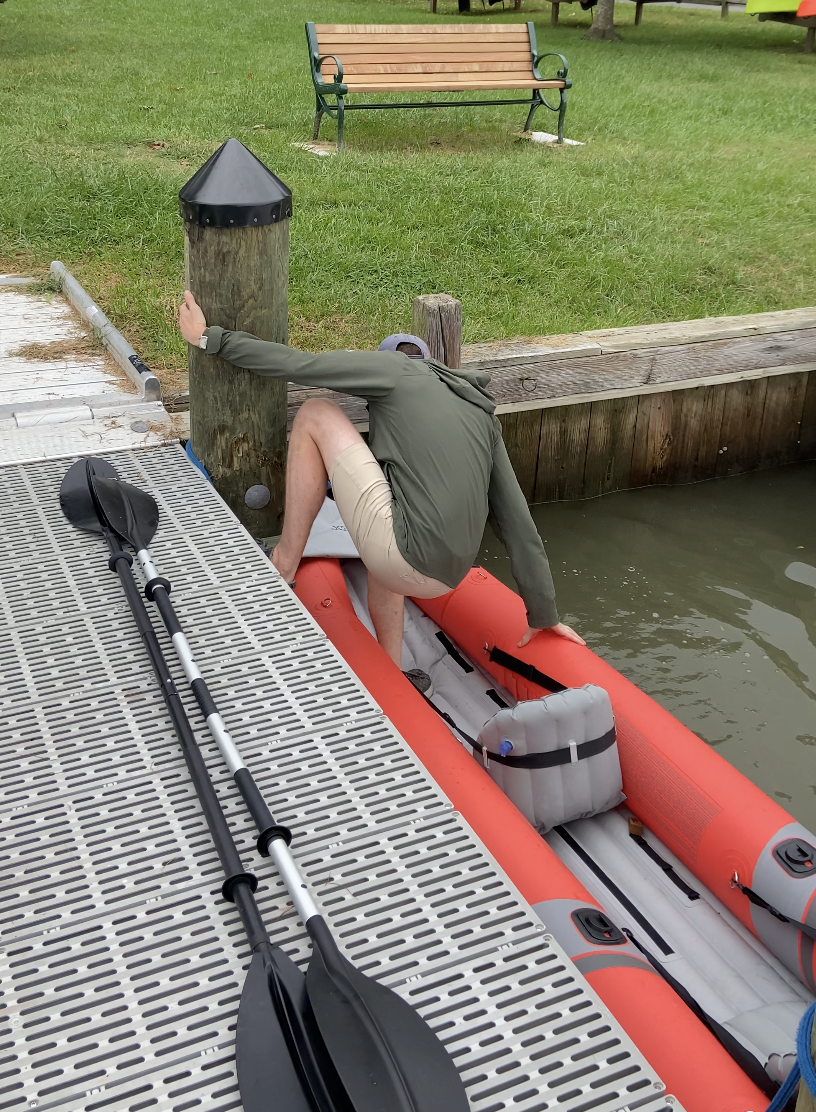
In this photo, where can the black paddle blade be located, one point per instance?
(281, 1060)
(76, 497)
(388, 1058)
(131, 512)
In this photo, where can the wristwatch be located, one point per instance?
(202, 341)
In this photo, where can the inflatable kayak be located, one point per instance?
(680, 890)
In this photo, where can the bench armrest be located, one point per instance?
(335, 86)
(562, 73)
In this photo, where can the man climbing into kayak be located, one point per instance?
(416, 497)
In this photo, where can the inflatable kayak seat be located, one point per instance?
(567, 743)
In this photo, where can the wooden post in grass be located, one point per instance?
(236, 260)
(437, 319)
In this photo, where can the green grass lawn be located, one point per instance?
(695, 193)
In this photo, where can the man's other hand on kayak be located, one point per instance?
(560, 630)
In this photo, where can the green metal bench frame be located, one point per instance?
(339, 90)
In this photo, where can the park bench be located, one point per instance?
(422, 58)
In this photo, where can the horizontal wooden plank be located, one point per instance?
(452, 86)
(507, 70)
(553, 377)
(411, 52)
(520, 58)
(761, 374)
(531, 349)
(336, 29)
(699, 331)
(333, 45)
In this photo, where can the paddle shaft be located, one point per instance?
(238, 884)
(273, 839)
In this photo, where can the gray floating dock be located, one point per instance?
(120, 964)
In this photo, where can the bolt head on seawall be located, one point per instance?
(710, 815)
(687, 1057)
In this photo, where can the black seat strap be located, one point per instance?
(527, 671)
(758, 901)
(567, 755)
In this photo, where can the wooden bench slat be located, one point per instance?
(336, 44)
(442, 54)
(503, 68)
(418, 29)
(449, 86)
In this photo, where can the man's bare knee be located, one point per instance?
(317, 414)
(328, 428)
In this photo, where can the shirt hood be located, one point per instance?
(468, 385)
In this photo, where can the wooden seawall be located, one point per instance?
(594, 412)
(587, 414)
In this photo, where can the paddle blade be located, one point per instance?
(388, 1058)
(76, 498)
(280, 1057)
(131, 512)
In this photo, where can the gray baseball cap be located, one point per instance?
(390, 344)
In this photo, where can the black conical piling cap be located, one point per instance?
(234, 189)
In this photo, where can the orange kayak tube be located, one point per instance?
(688, 1058)
(720, 825)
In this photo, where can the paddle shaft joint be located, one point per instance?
(268, 828)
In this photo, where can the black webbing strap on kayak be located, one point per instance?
(570, 754)
(758, 901)
(521, 668)
(667, 868)
(748, 1063)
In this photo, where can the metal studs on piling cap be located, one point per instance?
(233, 189)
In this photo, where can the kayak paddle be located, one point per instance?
(387, 1057)
(278, 1048)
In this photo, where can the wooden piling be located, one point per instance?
(236, 265)
(437, 319)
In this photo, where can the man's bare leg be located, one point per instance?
(387, 613)
(321, 431)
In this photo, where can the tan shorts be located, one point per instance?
(364, 499)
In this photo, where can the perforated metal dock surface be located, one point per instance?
(120, 964)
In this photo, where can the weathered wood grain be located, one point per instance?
(437, 319)
(610, 444)
(560, 378)
(549, 375)
(706, 328)
(741, 423)
(696, 421)
(807, 433)
(782, 420)
(562, 453)
(522, 435)
(238, 419)
(653, 441)
(717, 357)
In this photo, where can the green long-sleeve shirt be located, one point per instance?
(434, 433)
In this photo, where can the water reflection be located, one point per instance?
(705, 596)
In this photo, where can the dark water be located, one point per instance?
(695, 593)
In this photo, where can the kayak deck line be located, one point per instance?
(120, 964)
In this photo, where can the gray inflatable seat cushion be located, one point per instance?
(548, 797)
